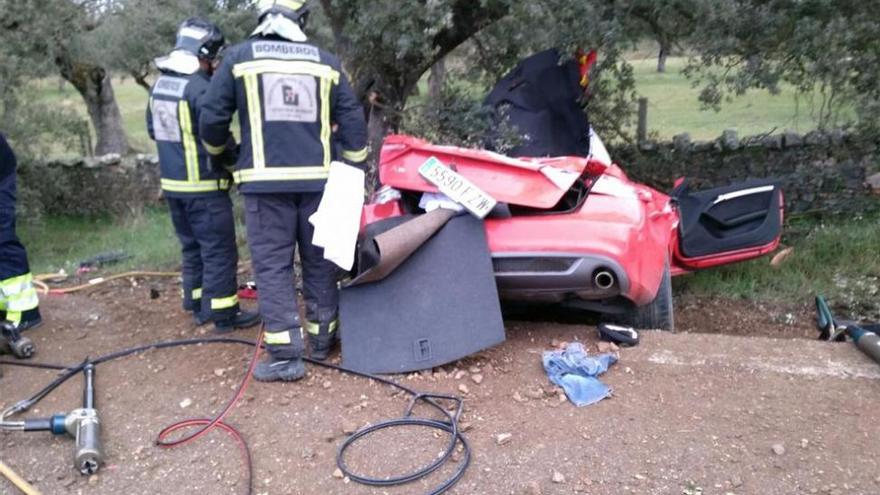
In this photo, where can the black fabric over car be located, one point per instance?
(709, 226)
(438, 306)
(541, 98)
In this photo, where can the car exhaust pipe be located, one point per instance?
(604, 280)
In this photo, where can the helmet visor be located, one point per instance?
(191, 39)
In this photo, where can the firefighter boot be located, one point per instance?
(284, 361)
(322, 339)
(199, 316)
(199, 319)
(240, 320)
(25, 320)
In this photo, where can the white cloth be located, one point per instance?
(179, 61)
(433, 201)
(282, 26)
(597, 149)
(338, 219)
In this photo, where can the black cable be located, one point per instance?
(450, 425)
(71, 371)
(170, 344)
(42, 366)
(26, 404)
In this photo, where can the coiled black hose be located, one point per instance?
(449, 425)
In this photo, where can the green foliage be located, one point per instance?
(458, 118)
(837, 257)
(30, 125)
(50, 36)
(35, 129)
(135, 32)
(387, 45)
(668, 22)
(824, 47)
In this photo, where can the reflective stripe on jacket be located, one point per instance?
(289, 96)
(172, 121)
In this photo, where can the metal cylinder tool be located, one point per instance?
(13, 342)
(865, 337)
(867, 342)
(82, 424)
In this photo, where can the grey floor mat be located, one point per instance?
(438, 306)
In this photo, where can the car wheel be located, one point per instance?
(658, 314)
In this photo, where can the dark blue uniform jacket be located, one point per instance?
(289, 97)
(172, 121)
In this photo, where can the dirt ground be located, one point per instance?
(691, 413)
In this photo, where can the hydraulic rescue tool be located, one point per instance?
(13, 342)
(865, 337)
(82, 424)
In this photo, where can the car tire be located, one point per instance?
(658, 314)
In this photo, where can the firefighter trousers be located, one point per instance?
(277, 224)
(17, 293)
(205, 227)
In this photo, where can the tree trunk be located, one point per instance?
(661, 58)
(381, 123)
(436, 80)
(94, 85)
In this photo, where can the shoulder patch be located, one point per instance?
(170, 86)
(286, 51)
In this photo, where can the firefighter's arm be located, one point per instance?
(7, 159)
(216, 108)
(348, 114)
(226, 159)
(150, 119)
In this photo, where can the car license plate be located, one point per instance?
(459, 189)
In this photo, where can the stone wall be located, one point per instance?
(820, 171)
(107, 185)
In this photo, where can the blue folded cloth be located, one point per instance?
(576, 372)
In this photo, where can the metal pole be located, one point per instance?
(642, 133)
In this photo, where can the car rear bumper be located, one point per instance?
(554, 276)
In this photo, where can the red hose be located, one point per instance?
(217, 422)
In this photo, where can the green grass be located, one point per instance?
(838, 257)
(673, 106)
(56, 243)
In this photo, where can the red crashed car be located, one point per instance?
(577, 231)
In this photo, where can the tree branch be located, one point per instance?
(140, 77)
(468, 19)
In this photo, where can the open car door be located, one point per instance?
(727, 224)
